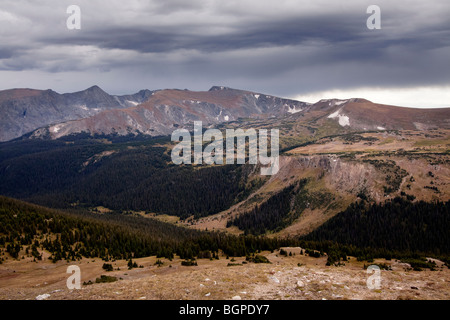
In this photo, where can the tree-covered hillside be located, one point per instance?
(397, 225)
(123, 175)
(73, 235)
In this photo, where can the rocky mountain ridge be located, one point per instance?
(47, 114)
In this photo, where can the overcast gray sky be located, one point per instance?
(306, 50)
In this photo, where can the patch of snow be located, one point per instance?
(226, 118)
(208, 294)
(338, 103)
(292, 110)
(381, 128)
(84, 107)
(343, 119)
(256, 96)
(334, 114)
(134, 103)
(236, 298)
(55, 129)
(332, 102)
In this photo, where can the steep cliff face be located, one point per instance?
(338, 175)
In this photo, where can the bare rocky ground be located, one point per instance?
(283, 279)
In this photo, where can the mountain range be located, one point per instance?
(25, 110)
(48, 114)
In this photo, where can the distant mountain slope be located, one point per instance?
(166, 110)
(364, 115)
(24, 110)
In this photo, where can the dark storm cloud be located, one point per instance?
(6, 53)
(286, 32)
